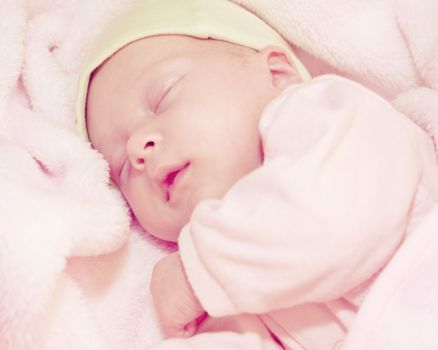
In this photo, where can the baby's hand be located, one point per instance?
(177, 306)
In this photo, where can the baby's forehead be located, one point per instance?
(157, 49)
(144, 52)
(150, 55)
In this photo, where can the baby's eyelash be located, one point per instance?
(162, 97)
(166, 89)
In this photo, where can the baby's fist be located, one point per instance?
(177, 306)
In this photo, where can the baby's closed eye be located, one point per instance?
(165, 95)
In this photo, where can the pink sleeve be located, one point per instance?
(326, 210)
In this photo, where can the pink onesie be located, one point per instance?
(296, 244)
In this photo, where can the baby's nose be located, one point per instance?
(141, 147)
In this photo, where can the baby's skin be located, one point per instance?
(177, 119)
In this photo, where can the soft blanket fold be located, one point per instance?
(73, 273)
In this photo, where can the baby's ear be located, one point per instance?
(282, 70)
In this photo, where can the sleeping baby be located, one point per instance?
(286, 195)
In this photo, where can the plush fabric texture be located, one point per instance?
(73, 273)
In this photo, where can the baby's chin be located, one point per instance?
(169, 236)
(169, 228)
(166, 231)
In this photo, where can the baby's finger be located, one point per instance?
(190, 329)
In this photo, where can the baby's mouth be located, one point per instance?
(171, 179)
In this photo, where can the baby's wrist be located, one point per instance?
(187, 285)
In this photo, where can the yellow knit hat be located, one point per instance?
(216, 19)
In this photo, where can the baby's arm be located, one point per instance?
(177, 306)
(323, 214)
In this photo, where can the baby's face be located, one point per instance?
(177, 120)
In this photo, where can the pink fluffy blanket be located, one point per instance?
(74, 273)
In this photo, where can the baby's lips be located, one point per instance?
(168, 175)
